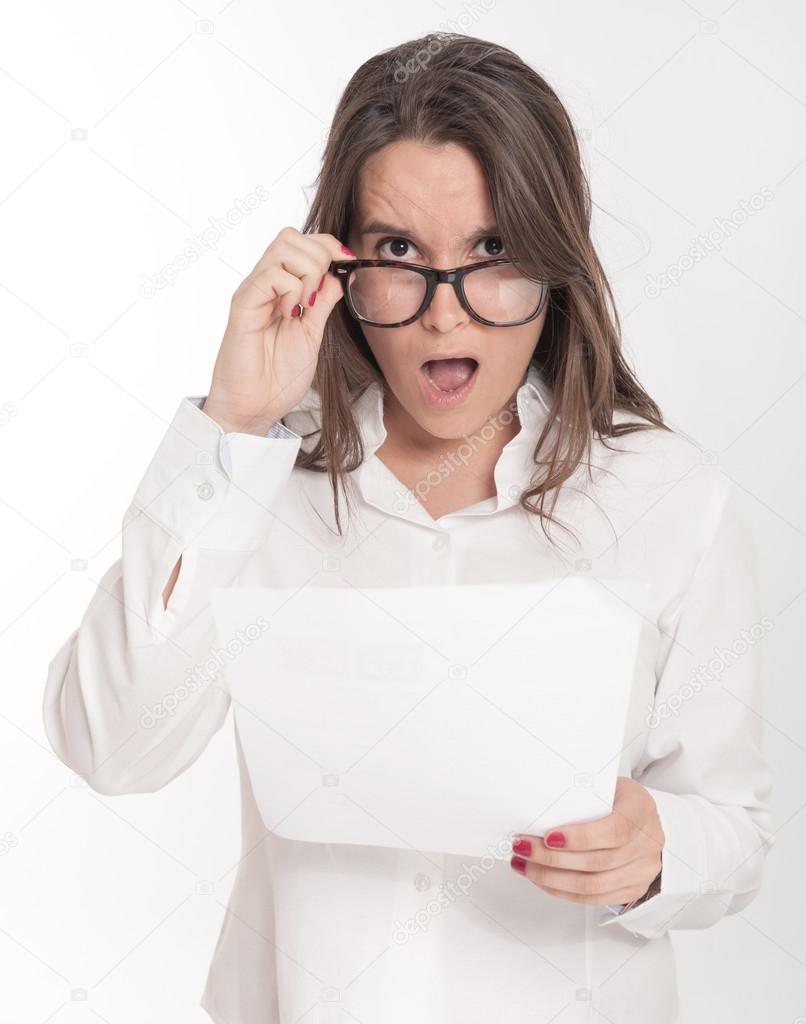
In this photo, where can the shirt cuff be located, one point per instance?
(652, 890)
(700, 853)
(214, 488)
(277, 429)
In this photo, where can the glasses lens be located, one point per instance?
(386, 295)
(391, 295)
(502, 294)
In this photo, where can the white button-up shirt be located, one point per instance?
(330, 932)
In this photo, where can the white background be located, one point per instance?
(125, 128)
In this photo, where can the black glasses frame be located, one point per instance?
(456, 276)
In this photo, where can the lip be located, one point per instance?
(447, 399)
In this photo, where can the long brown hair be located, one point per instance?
(446, 87)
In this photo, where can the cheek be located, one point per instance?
(392, 349)
(524, 339)
(510, 350)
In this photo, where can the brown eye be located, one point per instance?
(399, 247)
(493, 246)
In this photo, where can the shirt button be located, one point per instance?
(439, 542)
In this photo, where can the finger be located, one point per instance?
(314, 319)
(605, 833)
(272, 284)
(582, 883)
(327, 246)
(308, 256)
(329, 288)
(306, 263)
(604, 899)
(532, 848)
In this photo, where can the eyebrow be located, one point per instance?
(377, 227)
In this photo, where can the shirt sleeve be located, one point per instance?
(703, 763)
(132, 697)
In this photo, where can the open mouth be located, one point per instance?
(449, 375)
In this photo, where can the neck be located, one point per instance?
(463, 467)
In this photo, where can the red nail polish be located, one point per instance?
(312, 298)
(295, 310)
(519, 864)
(523, 846)
(348, 251)
(555, 839)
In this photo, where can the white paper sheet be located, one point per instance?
(435, 718)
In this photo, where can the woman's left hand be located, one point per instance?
(614, 859)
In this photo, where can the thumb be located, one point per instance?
(315, 317)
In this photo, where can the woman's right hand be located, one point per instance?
(269, 352)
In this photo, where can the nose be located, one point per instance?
(445, 312)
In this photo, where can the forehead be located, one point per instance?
(439, 193)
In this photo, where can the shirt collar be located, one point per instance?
(533, 400)
(379, 486)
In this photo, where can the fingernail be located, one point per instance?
(312, 298)
(321, 282)
(295, 310)
(348, 251)
(519, 864)
(523, 846)
(555, 839)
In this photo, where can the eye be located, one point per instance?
(493, 245)
(399, 246)
(402, 248)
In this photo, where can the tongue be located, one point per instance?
(450, 374)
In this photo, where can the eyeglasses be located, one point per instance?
(390, 293)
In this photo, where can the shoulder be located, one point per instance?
(665, 477)
(650, 453)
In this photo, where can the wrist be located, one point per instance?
(257, 425)
(652, 890)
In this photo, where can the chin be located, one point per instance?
(465, 421)
(450, 420)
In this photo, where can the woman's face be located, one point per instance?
(438, 202)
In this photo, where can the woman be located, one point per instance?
(362, 380)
